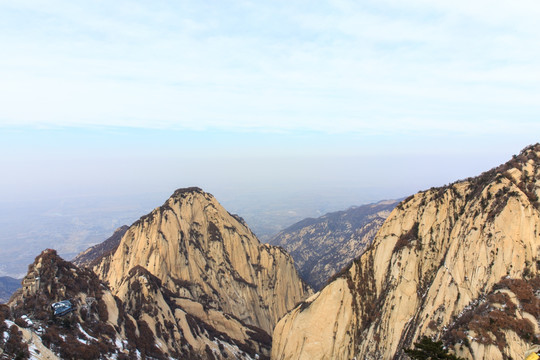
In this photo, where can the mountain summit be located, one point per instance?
(203, 253)
(457, 263)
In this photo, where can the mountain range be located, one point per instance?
(189, 280)
(322, 246)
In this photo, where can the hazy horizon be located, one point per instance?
(51, 163)
(271, 107)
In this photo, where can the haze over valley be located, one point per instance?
(73, 224)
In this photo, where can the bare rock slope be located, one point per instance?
(458, 263)
(321, 247)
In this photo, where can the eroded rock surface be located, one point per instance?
(201, 252)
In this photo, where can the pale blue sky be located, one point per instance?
(100, 97)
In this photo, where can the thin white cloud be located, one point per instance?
(402, 66)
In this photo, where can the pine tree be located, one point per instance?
(428, 349)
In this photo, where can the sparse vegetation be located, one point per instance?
(490, 318)
(407, 237)
(427, 349)
(14, 345)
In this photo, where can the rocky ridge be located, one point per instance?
(105, 248)
(321, 247)
(444, 261)
(149, 324)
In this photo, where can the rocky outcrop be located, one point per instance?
(144, 321)
(202, 253)
(439, 254)
(88, 257)
(323, 246)
(178, 323)
(84, 333)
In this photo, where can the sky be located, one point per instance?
(377, 98)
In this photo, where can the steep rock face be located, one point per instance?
(96, 252)
(182, 328)
(439, 252)
(323, 246)
(204, 254)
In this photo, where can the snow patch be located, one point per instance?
(88, 337)
(9, 323)
(27, 320)
(34, 352)
(6, 334)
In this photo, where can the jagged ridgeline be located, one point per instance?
(90, 256)
(321, 247)
(187, 281)
(457, 263)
